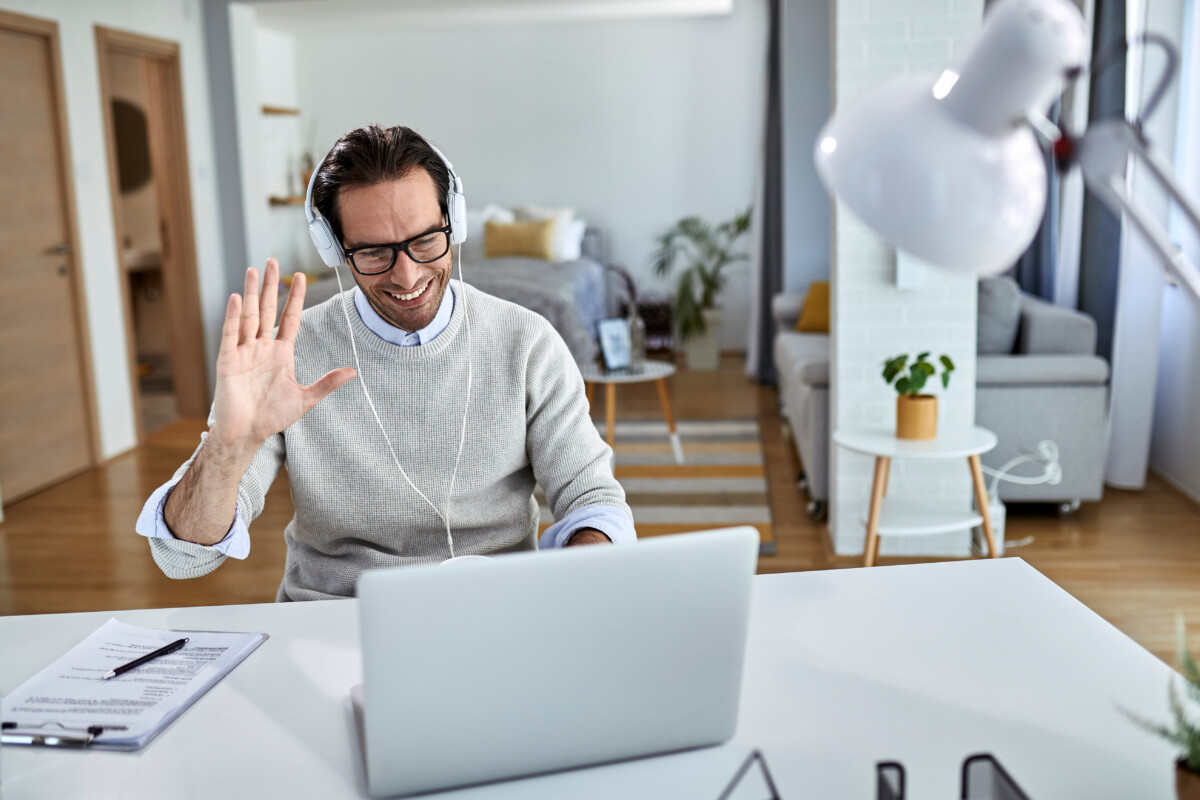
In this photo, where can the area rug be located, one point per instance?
(721, 483)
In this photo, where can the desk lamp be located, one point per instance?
(949, 168)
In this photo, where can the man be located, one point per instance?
(479, 399)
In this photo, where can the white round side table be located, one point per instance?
(657, 371)
(899, 518)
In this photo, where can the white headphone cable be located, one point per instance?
(462, 437)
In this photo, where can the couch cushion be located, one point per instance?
(798, 349)
(1040, 370)
(999, 316)
(814, 315)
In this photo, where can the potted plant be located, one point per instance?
(916, 413)
(1184, 732)
(708, 251)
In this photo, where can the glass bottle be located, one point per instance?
(637, 340)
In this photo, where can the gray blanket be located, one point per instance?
(570, 294)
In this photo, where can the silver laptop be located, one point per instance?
(535, 662)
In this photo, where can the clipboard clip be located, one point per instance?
(38, 734)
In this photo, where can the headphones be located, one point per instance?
(330, 248)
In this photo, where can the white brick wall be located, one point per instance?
(872, 319)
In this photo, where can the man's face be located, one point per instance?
(390, 212)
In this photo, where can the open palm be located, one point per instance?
(257, 394)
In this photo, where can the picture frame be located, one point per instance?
(614, 343)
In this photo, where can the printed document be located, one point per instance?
(67, 703)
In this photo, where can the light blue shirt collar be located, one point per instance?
(398, 336)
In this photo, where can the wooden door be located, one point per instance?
(169, 166)
(45, 407)
(46, 416)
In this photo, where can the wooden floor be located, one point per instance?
(1133, 558)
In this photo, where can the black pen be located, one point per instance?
(137, 662)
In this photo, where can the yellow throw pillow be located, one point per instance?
(528, 239)
(814, 315)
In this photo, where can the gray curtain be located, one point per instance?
(771, 213)
(1100, 251)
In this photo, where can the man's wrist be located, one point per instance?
(587, 536)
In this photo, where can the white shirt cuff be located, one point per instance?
(609, 520)
(152, 524)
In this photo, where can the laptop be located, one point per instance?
(536, 662)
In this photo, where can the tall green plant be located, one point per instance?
(707, 250)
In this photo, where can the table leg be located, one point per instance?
(610, 412)
(886, 474)
(871, 550)
(981, 502)
(665, 400)
(590, 388)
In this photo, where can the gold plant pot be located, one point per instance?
(1187, 783)
(916, 416)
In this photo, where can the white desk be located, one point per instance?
(844, 668)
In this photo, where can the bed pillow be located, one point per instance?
(477, 219)
(568, 231)
(526, 239)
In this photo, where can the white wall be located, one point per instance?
(179, 21)
(635, 123)
(1175, 449)
(872, 319)
(806, 106)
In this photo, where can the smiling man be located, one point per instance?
(466, 402)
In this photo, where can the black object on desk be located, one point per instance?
(137, 662)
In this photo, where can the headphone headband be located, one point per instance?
(327, 244)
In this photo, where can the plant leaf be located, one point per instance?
(947, 363)
(922, 356)
(902, 385)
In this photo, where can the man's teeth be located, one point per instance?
(412, 296)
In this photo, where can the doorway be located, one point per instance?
(152, 216)
(47, 420)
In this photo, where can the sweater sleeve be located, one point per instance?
(180, 559)
(570, 460)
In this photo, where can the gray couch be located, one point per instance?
(1037, 377)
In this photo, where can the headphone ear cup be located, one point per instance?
(457, 205)
(326, 243)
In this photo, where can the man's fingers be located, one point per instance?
(229, 330)
(270, 299)
(249, 326)
(332, 380)
(290, 322)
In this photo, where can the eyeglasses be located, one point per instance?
(375, 259)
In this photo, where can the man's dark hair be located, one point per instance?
(371, 155)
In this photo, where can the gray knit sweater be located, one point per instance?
(528, 423)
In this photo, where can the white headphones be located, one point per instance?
(330, 248)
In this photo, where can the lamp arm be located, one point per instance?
(1102, 154)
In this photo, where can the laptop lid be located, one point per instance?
(536, 662)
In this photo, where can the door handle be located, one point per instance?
(62, 249)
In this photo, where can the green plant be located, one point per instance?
(1185, 734)
(919, 371)
(707, 250)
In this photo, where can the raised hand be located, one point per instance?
(257, 394)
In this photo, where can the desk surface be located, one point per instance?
(922, 664)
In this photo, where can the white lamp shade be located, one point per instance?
(943, 167)
(929, 185)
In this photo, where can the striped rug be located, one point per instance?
(721, 482)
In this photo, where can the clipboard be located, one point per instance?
(130, 711)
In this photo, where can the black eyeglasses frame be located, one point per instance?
(396, 247)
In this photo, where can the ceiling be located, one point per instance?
(307, 15)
